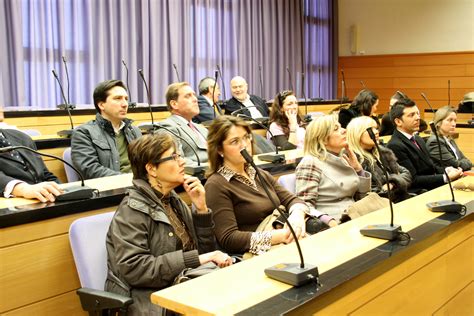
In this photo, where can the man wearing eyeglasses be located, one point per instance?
(248, 104)
(182, 103)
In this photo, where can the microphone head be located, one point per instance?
(54, 73)
(246, 155)
(218, 67)
(371, 134)
(123, 62)
(140, 71)
(64, 58)
(216, 74)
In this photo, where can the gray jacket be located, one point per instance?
(143, 253)
(449, 158)
(94, 150)
(178, 126)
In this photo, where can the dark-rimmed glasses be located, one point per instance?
(176, 157)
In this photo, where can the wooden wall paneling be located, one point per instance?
(412, 74)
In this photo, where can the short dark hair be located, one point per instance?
(172, 93)
(101, 91)
(364, 101)
(397, 109)
(148, 149)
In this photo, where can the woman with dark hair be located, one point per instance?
(286, 124)
(445, 121)
(237, 196)
(364, 147)
(154, 235)
(364, 104)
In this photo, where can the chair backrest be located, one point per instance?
(288, 181)
(87, 237)
(71, 175)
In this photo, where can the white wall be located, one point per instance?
(406, 26)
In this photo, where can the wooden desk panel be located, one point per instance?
(237, 288)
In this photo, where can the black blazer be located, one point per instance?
(233, 104)
(417, 161)
(12, 169)
(206, 111)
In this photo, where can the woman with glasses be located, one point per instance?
(237, 196)
(286, 124)
(154, 235)
(329, 176)
(363, 146)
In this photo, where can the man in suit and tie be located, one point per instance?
(411, 150)
(23, 173)
(209, 93)
(251, 105)
(182, 103)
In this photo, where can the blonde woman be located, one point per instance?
(445, 121)
(363, 146)
(329, 176)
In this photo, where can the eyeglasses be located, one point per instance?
(247, 138)
(176, 157)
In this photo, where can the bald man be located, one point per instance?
(251, 105)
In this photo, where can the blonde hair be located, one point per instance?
(441, 114)
(317, 135)
(354, 131)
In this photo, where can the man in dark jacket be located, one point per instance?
(251, 105)
(99, 147)
(23, 173)
(411, 150)
(209, 93)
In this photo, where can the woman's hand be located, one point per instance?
(196, 192)
(282, 235)
(351, 159)
(218, 257)
(292, 118)
(298, 222)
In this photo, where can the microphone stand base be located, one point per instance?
(382, 231)
(272, 157)
(67, 133)
(197, 171)
(293, 274)
(76, 193)
(447, 206)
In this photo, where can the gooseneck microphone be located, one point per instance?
(260, 77)
(363, 84)
(191, 170)
(67, 81)
(214, 103)
(449, 92)
(130, 103)
(64, 133)
(222, 82)
(307, 118)
(70, 193)
(443, 205)
(319, 86)
(243, 108)
(140, 71)
(289, 78)
(344, 97)
(382, 231)
(177, 73)
(275, 157)
(290, 273)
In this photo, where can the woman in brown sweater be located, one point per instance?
(237, 197)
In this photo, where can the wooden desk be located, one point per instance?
(37, 271)
(359, 275)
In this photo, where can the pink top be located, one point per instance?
(277, 130)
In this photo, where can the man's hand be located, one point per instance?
(44, 191)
